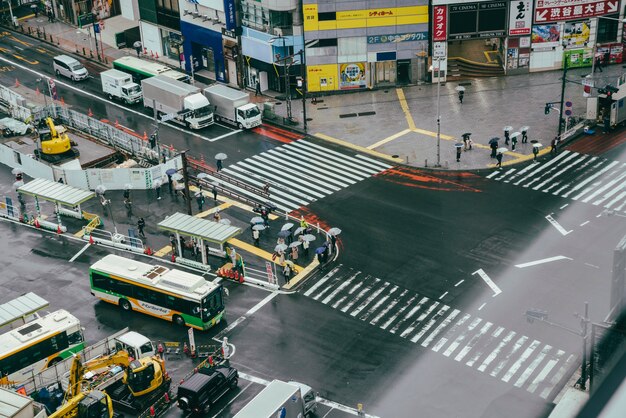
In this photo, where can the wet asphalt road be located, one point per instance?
(406, 232)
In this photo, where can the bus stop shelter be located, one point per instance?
(58, 193)
(199, 229)
(21, 308)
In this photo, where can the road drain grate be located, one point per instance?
(348, 115)
(370, 113)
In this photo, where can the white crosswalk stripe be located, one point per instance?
(299, 173)
(580, 177)
(468, 339)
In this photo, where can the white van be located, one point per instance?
(69, 67)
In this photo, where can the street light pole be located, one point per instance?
(438, 113)
(303, 77)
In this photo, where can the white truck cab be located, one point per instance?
(135, 344)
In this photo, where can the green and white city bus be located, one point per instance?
(141, 69)
(40, 343)
(170, 294)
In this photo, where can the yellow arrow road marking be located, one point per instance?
(13, 38)
(21, 58)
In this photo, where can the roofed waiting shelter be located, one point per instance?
(200, 229)
(59, 193)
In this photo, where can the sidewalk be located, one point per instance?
(400, 124)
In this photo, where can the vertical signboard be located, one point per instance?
(440, 23)
(229, 11)
(520, 17)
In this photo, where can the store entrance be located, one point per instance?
(487, 51)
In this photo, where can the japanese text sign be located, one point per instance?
(440, 23)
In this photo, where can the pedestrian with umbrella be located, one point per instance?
(499, 154)
(514, 140)
(218, 160)
(493, 143)
(458, 147)
(461, 91)
(137, 46)
(554, 146)
(200, 200)
(294, 250)
(507, 133)
(157, 187)
(287, 271)
(305, 244)
(214, 191)
(536, 146)
(467, 141)
(141, 224)
(256, 234)
(170, 172)
(524, 130)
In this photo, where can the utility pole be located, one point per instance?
(303, 77)
(560, 131)
(438, 113)
(183, 155)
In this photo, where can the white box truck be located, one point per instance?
(119, 85)
(281, 399)
(184, 102)
(233, 106)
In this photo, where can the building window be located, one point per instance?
(325, 42)
(607, 29)
(327, 16)
(254, 16)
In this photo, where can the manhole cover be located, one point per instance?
(278, 103)
(395, 156)
(309, 119)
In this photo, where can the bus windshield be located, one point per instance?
(212, 304)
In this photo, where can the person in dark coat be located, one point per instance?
(494, 147)
(554, 146)
(141, 224)
(257, 88)
(458, 154)
(200, 200)
(499, 158)
(219, 165)
(461, 94)
(535, 153)
(506, 137)
(214, 191)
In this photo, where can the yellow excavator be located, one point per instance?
(56, 146)
(144, 381)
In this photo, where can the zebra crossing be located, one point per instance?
(300, 173)
(580, 177)
(479, 344)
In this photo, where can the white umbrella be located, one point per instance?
(100, 189)
(299, 230)
(221, 156)
(224, 221)
(308, 237)
(334, 231)
(460, 88)
(515, 134)
(502, 150)
(202, 175)
(295, 244)
(18, 184)
(259, 227)
(128, 186)
(177, 176)
(524, 128)
(257, 220)
(508, 128)
(287, 226)
(16, 171)
(280, 247)
(137, 44)
(157, 183)
(537, 145)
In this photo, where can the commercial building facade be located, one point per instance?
(365, 44)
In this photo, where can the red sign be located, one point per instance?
(440, 25)
(557, 10)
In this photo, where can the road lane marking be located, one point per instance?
(440, 313)
(419, 320)
(482, 306)
(217, 138)
(518, 344)
(446, 337)
(261, 303)
(545, 371)
(465, 350)
(388, 308)
(232, 400)
(592, 265)
(389, 139)
(479, 353)
(322, 281)
(405, 108)
(558, 376)
(557, 225)
(441, 326)
(455, 344)
(490, 283)
(542, 261)
(491, 357)
(393, 317)
(584, 223)
(515, 367)
(564, 206)
(13, 38)
(531, 368)
(80, 252)
(442, 296)
(461, 281)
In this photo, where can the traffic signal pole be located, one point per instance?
(564, 80)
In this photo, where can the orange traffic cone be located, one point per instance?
(37, 91)
(37, 223)
(59, 230)
(148, 251)
(236, 276)
(167, 397)
(152, 411)
(173, 258)
(145, 136)
(152, 54)
(157, 55)
(90, 113)
(91, 241)
(241, 279)
(117, 124)
(172, 147)
(17, 82)
(62, 102)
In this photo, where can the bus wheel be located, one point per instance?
(125, 304)
(54, 361)
(178, 320)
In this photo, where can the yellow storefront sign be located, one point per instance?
(365, 18)
(322, 77)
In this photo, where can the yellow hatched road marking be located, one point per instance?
(389, 139)
(405, 109)
(358, 148)
(256, 251)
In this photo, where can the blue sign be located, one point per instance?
(229, 11)
(398, 37)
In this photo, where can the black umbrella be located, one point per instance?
(458, 145)
(467, 134)
(494, 139)
(170, 171)
(533, 141)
